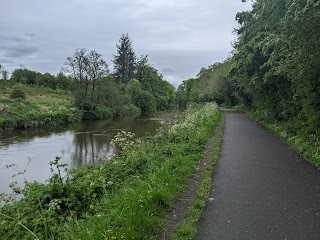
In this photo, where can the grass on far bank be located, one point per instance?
(127, 197)
(42, 107)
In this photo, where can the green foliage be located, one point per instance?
(153, 82)
(98, 94)
(276, 63)
(141, 98)
(18, 93)
(125, 60)
(215, 84)
(145, 101)
(4, 73)
(87, 68)
(126, 197)
(47, 80)
(32, 78)
(37, 112)
(187, 92)
(25, 76)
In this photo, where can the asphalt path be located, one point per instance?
(262, 188)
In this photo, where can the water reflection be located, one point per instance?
(82, 144)
(91, 148)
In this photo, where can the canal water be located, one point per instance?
(77, 145)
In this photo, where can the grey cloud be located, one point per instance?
(6, 61)
(19, 51)
(25, 38)
(17, 46)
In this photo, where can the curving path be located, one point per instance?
(262, 188)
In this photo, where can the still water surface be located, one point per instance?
(77, 145)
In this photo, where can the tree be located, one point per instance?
(125, 60)
(25, 76)
(153, 82)
(141, 98)
(4, 73)
(276, 62)
(145, 72)
(63, 82)
(87, 69)
(96, 69)
(47, 80)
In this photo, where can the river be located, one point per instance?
(77, 145)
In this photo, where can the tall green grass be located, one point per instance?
(126, 197)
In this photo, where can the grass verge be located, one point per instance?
(188, 229)
(127, 197)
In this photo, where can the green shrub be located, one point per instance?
(18, 93)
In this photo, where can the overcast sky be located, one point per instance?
(179, 36)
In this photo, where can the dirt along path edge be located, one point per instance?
(186, 198)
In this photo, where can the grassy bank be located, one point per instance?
(188, 229)
(125, 198)
(47, 107)
(42, 107)
(307, 145)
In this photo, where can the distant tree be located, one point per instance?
(153, 82)
(76, 66)
(87, 69)
(63, 82)
(145, 72)
(124, 61)
(141, 98)
(25, 76)
(47, 80)
(4, 73)
(181, 97)
(96, 69)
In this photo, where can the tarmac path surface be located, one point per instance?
(262, 188)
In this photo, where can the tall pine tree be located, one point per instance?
(124, 61)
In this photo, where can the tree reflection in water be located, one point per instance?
(84, 143)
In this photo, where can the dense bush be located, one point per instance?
(18, 93)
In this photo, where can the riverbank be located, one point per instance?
(41, 107)
(47, 107)
(127, 197)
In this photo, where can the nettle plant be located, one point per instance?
(123, 139)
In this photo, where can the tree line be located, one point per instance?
(133, 86)
(274, 69)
